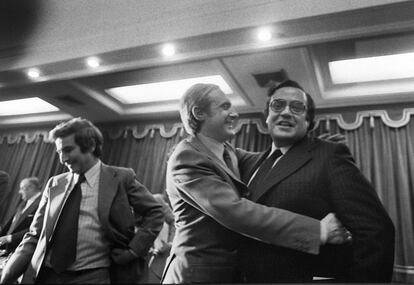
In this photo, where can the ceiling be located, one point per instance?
(211, 36)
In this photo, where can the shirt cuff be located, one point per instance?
(132, 252)
(324, 233)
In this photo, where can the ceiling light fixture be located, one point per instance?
(168, 50)
(264, 35)
(33, 73)
(164, 91)
(25, 106)
(93, 62)
(387, 67)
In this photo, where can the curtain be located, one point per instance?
(147, 156)
(23, 159)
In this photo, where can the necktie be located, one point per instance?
(65, 236)
(264, 169)
(17, 215)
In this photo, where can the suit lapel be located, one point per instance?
(257, 164)
(57, 196)
(108, 186)
(211, 156)
(289, 163)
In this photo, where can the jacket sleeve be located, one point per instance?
(359, 209)
(202, 185)
(150, 212)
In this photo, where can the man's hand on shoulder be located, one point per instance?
(336, 138)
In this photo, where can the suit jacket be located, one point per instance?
(4, 191)
(210, 216)
(119, 191)
(21, 225)
(314, 178)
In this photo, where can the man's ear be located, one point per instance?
(92, 146)
(199, 114)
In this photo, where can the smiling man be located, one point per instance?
(84, 228)
(314, 177)
(209, 202)
(15, 228)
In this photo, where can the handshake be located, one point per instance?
(336, 233)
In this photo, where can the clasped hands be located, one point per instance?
(336, 232)
(5, 240)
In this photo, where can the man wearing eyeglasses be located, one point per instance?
(313, 177)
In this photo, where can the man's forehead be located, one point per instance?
(290, 93)
(218, 97)
(65, 141)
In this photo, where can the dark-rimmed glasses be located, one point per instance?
(296, 107)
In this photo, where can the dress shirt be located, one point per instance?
(92, 249)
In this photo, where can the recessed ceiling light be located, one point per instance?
(25, 106)
(33, 73)
(168, 50)
(264, 34)
(396, 66)
(164, 91)
(93, 62)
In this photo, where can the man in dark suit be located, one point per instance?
(14, 229)
(4, 183)
(314, 177)
(84, 228)
(209, 204)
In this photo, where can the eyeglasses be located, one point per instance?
(296, 107)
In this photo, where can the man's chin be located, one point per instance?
(231, 133)
(72, 169)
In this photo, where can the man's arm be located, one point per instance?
(12, 240)
(201, 186)
(358, 207)
(151, 222)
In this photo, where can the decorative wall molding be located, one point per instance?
(405, 119)
(170, 130)
(27, 136)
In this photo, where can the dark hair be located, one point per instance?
(35, 182)
(195, 96)
(87, 135)
(310, 104)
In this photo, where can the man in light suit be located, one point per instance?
(14, 229)
(314, 177)
(209, 204)
(106, 247)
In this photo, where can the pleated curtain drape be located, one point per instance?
(384, 154)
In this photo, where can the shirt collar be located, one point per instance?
(91, 173)
(283, 149)
(214, 146)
